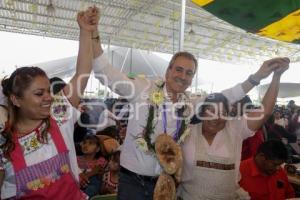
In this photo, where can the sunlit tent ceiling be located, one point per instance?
(145, 24)
(133, 62)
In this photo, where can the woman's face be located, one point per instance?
(214, 118)
(36, 100)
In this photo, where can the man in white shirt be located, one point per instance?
(139, 166)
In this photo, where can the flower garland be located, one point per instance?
(156, 98)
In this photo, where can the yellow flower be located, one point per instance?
(34, 143)
(65, 168)
(35, 184)
(35, 188)
(46, 181)
(157, 97)
(30, 185)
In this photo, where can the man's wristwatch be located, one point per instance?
(252, 80)
(96, 37)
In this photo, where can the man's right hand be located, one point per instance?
(88, 20)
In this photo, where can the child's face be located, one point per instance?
(89, 147)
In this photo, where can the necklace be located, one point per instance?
(157, 98)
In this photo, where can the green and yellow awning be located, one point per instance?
(276, 19)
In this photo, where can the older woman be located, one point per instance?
(37, 157)
(212, 153)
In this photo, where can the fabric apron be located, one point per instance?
(211, 183)
(49, 179)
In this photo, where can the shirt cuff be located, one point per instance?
(239, 92)
(100, 63)
(235, 93)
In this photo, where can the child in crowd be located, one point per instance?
(91, 164)
(111, 177)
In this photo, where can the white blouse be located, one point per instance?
(225, 148)
(36, 152)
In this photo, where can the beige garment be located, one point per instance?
(209, 183)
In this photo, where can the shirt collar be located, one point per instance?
(182, 97)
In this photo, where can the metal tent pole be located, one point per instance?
(182, 22)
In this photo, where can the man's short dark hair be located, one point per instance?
(273, 150)
(183, 54)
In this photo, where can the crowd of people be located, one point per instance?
(156, 136)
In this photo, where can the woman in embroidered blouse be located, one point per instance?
(38, 159)
(213, 151)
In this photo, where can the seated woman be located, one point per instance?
(37, 155)
(212, 153)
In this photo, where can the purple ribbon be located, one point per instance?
(178, 123)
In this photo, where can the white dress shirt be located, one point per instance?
(137, 91)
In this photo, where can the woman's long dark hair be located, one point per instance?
(16, 84)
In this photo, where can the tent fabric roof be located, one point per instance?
(127, 60)
(145, 24)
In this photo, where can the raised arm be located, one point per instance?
(237, 92)
(256, 119)
(264, 71)
(97, 46)
(87, 22)
(113, 78)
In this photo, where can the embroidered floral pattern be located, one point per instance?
(59, 109)
(34, 142)
(35, 185)
(65, 168)
(47, 180)
(30, 143)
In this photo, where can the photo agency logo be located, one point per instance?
(139, 104)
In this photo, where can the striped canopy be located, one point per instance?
(276, 19)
